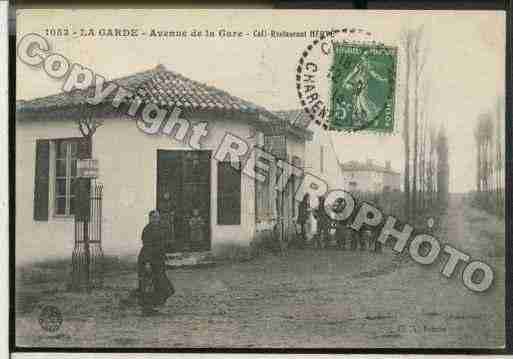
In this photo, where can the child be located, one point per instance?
(196, 225)
(302, 218)
(147, 289)
(324, 223)
(340, 229)
(147, 281)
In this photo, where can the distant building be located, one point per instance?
(320, 158)
(369, 177)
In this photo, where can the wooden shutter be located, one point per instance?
(228, 194)
(276, 145)
(42, 180)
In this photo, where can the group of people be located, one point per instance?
(316, 226)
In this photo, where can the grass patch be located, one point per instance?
(59, 270)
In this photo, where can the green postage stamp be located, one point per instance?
(363, 81)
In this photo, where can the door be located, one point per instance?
(183, 199)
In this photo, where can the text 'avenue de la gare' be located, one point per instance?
(177, 33)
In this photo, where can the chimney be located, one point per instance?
(387, 165)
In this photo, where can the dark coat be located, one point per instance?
(323, 219)
(154, 287)
(302, 214)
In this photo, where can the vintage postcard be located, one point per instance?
(259, 179)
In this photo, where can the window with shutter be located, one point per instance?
(64, 178)
(228, 194)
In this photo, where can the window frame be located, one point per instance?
(67, 177)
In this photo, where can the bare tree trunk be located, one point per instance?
(498, 158)
(406, 129)
(415, 144)
(478, 175)
(422, 174)
(431, 167)
(418, 62)
(427, 180)
(486, 161)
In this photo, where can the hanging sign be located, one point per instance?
(87, 168)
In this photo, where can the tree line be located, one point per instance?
(426, 148)
(488, 134)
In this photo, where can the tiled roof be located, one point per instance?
(359, 166)
(167, 89)
(159, 86)
(62, 100)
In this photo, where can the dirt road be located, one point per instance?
(321, 298)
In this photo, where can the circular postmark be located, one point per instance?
(346, 81)
(50, 318)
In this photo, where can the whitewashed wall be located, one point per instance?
(371, 181)
(367, 181)
(127, 160)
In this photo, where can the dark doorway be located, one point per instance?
(183, 199)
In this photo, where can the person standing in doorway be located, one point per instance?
(302, 217)
(167, 220)
(154, 285)
(197, 230)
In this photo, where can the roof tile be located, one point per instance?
(169, 89)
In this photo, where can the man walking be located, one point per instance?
(154, 285)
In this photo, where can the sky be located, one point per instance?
(465, 63)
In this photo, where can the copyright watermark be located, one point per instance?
(255, 162)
